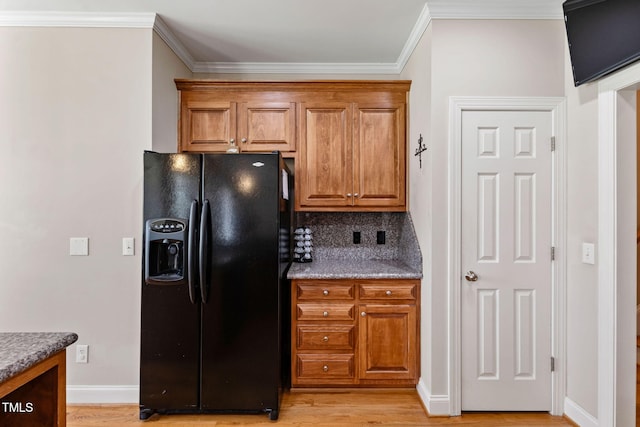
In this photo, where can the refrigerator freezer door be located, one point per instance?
(240, 320)
(170, 335)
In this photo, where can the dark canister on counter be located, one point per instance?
(303, 244)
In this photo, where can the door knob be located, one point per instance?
(471, 276)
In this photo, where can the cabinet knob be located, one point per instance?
(325, 314)
(363, 314)
(325, 368)
(325, 292)
(348, 194)
(243, 140)
(388, 293)
(325, 339)
(232, 141)
(355, 194)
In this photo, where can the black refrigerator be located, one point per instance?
(214, 315)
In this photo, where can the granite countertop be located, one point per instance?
(21, 350)
(352, 269)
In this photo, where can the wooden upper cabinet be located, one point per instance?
(348, 137)
(207, 125)
(379, 159)
(324, 164)
(267, 126)
(352, 154)
(215, 115)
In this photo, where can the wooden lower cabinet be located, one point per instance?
(355, 333)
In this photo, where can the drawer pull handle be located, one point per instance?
(363, 314)
(388, 293)
(325, 292)
(325, 314)
(325, 339)
(325, 368)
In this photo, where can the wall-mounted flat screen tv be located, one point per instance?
(603, 36)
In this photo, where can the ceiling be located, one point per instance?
(298, 36)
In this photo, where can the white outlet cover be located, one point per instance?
(79, 246)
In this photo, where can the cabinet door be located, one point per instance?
(379, 152)
(323, 168)
(267, 126)
(388, 342)
(207, 125)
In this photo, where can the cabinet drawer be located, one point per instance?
(324, 291)
(312, 311)
(325, 366)
(390, 291)
(339, 337)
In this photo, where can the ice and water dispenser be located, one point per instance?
(165, 261)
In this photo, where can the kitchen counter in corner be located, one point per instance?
(33, 378)
(352, 269)
(21, 350)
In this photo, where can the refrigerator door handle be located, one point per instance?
(203, 254)
(191, 251)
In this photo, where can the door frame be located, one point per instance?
(617, 203)
(556, 106)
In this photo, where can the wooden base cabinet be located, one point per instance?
(355, 333)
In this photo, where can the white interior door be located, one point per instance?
(506, 250)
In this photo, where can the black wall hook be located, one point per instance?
(421, 149)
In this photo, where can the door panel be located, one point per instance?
(240, 319)
(325, 172)
(506, 242)
(207, 125)
(170, 334)
(379, 155)
(267, 126)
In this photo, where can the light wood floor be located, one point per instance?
(316, 409)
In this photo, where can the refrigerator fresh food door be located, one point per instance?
(170, 327)
(240, 316)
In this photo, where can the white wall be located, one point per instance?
(166, 67)
(418, 70)
(467, 58)
(75, 117)
(582, 226)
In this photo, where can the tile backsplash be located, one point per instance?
(333, 235)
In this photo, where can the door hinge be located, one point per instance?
(553, 143)
(553, 253)
(553, 364)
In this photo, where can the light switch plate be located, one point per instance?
(127, 246)
(79, 246)
(588, 253)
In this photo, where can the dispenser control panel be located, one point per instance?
(166, 226)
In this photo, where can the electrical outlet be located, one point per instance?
(82, 353)
(356, 237)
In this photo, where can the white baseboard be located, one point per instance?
(436, 404)
(578, 415)
(103, 394)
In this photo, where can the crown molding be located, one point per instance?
(495, 9)
(322, 68)
(414, 38)
(294, 68)
(77, 19)
(174, 44)
(435, 9)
